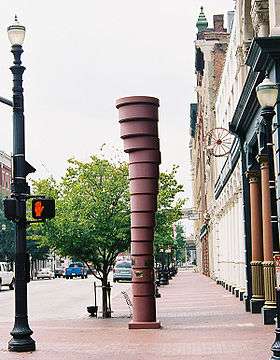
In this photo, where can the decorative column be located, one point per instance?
(242, 265)
(239, 248)
(269, 309)
(274, 17)
(235, 243)
(260, 17)
(227, 245)
(231, 248)
(257, 300)
(138, 117)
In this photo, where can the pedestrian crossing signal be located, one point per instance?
(10, 208)
(43, 209)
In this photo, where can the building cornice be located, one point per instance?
(264, 51)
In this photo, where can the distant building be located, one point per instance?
(5, 173)
(191, 250)
(210, 46)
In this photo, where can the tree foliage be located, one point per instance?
(180, 243)
(93, 217)
(169, 209)
(92, 222)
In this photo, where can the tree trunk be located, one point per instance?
(106, 313)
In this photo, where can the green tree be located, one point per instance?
(92, 220)
(169, 209)
(180, 243)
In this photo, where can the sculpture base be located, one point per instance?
(144, 325)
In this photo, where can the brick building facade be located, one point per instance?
(5, 173)
(210, 46)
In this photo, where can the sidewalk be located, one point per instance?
(200, 320)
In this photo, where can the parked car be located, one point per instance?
(122, 271)
(7, 277)
(76, 269)
(59, 272)
(45, 273)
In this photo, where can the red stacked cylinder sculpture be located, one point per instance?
(138, 117)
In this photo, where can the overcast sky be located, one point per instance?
(82, 55)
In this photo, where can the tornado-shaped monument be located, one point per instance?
(138, 117)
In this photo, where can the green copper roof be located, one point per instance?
(202, 22)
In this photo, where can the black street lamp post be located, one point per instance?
(163, 274)
(168, 270)
(267, 94)
(21, 334)
(276, 345)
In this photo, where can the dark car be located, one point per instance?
(59, 272)
(76, 269)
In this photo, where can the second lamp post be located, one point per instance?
(21, 334)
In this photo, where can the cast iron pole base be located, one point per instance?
(21, 341)
(25, 344)
(275, 348)
(269, 315)
(247, 303)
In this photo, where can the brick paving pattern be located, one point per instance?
(200, 320)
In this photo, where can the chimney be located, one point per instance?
(218, 21)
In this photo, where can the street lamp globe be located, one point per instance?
(267, 93)
(16, 33)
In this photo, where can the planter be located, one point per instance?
(92, 310)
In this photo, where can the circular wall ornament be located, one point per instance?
(218, 142)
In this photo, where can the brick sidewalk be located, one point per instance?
(200, 320)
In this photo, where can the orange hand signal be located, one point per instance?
(38, 208)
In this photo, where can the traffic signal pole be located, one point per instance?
(21, 332)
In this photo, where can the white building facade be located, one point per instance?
(227, 222)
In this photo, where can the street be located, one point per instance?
(200, 320)
(57, 299)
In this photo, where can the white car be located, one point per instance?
(45, 273)
(122, 270)
(7, 277)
